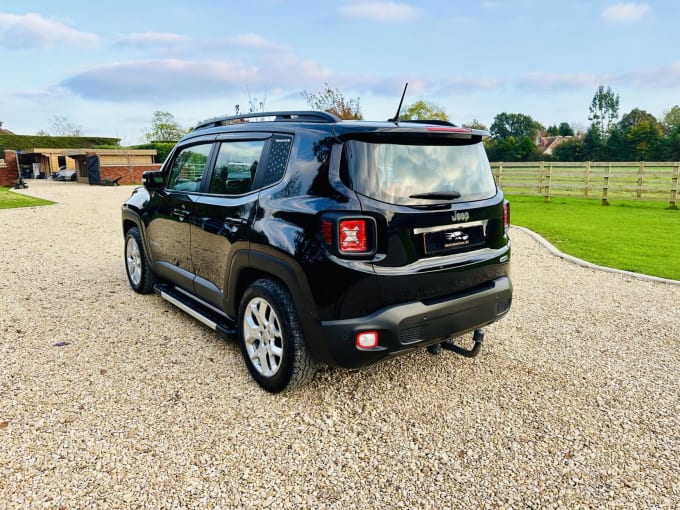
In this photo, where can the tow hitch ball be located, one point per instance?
(477, 338)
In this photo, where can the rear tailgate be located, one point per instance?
(440, 218)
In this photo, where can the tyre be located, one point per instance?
(271, 339)
(136, 264)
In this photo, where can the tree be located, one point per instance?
(516, 125)
(474, 124)
(635, 117)
(565, 129)
(553, 130)
(332, 101)
(254, 104)
(61, 125)
(42, 132)
(422, 110)
(671, 118)
(604, 109)
(164, 128)
(571, 150)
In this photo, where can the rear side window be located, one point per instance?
(188, 168)
(393, 172)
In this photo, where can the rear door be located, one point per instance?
(440, 216)
(224, 214)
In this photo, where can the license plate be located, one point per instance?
(455, 239)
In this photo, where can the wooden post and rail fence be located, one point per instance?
(603, 181)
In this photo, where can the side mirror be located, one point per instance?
(153, 181)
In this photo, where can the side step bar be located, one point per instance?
(200, 310)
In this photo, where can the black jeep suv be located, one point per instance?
(316, 240)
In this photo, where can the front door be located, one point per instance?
(168, 231)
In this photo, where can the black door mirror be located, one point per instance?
(153, 181)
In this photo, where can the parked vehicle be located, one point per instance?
(65, 175)
(315, 240)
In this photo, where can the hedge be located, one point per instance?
(23, 142)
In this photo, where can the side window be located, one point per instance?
(235, 167)
(188, 168)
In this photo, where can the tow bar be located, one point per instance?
(477, 338)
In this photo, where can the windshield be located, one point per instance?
(394, 173)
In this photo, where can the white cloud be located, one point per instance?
(181, 79)
(625, 13)
(151, 38)
(253, 41)
(380, 10)
(33, 31)
(667, 76)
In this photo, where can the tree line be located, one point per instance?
(635, 136)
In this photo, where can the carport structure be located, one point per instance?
(46, 161)
(95, 166)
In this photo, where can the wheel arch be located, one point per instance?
(249, 266)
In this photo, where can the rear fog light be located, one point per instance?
(367, 339)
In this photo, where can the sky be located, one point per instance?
(108, 66)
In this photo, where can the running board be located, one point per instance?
(199, 310)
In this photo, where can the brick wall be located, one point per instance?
(112, 172)
(9, 172)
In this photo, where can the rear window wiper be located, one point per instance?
(437, 195)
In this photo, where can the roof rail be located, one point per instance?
(294, 116)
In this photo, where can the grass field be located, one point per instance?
(643, 237)
(10, 200)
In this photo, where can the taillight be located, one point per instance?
(349, 236)
(353, 236)
(506, 216)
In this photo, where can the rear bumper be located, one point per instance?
(404, 327)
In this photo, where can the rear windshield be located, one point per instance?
(393, 172)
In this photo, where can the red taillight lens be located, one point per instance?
(506, 216)
(353, 238)
(366, 340)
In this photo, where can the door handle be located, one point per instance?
(180, 214)
(233, 224)
(237, 222)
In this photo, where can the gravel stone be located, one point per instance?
(109, 399)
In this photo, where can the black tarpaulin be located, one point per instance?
(93, 176)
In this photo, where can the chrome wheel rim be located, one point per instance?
(263, 337)
(133, 261)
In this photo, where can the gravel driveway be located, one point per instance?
(109, 399)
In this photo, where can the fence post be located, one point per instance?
(587, 179)
(674, 185)
(546, 194)
(640, 177)
(541, 170)
(500, 174)
(605, 184)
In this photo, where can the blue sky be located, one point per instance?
(108, 66)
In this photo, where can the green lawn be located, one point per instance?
(10, 200)
(643, 237)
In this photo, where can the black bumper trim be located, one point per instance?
(416, 324)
